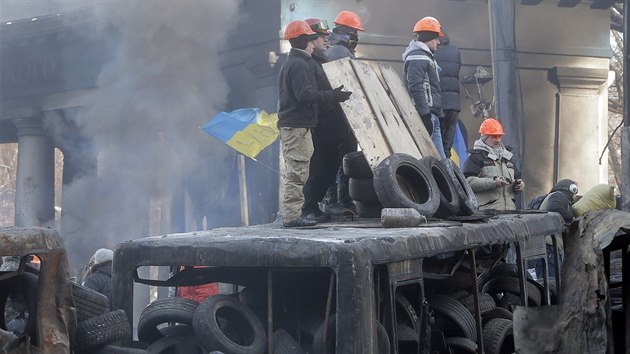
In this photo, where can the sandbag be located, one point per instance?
(600, 197)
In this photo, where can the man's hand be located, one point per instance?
(519, 185)
(501, 181)
(341, 96)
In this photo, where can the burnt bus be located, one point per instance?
(352, 287)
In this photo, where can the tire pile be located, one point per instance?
(453, 310)
(223, 324)
(435, 188)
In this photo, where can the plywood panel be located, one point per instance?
(399, 95)
(358, 112)
(390, 122)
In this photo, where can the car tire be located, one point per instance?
(486, 302)
(101, 330)
(498, 336)
(206, 325)
(449, 198)
(172, 309)
(467, 201)
(497, 312)
(355, 165)
(368, 210)
(88, 303)
(177, 343)
(362, 190)
(456, 312)
(402, 181)
(461, 344)
(512, 285)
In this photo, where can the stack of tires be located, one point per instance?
(361, 185)
(223, 324)
(97, 327)
(220, 324)
(453, 308)
(432, 187)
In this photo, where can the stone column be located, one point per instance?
(35, 184)
(581, 125)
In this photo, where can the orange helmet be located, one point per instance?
(491, 126)
(297, 28)
(430, 24)
(350, 19)
(319, 26)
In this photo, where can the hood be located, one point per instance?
(565, 185)
(415, 45)
(494, 154)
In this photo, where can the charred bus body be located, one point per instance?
(353, 288)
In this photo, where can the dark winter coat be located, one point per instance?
(337, 48)
(299, 95)
(450, 61)
(422, 79)
(560, 202)
(101, 279)
(331, 121)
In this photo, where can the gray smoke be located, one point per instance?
(163, 83)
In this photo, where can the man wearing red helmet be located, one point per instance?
(298, 101)
(422, 78)
(491, 171)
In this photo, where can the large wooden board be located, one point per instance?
(380, 111)
(358, 112)
(402, 100)
(389, 119)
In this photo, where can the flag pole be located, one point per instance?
(243, 190)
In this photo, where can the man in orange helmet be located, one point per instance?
(422, 78)
(343, 41)
(327, 135)
(298, 99)
(491, 171)
(345, 36)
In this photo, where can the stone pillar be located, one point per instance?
(35, 184)
(581, 125)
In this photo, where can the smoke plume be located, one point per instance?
(142, 122)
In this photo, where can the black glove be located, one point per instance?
(426, 117)
(341, 96)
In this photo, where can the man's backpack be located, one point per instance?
(535, 203)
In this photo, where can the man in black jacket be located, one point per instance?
(559, 200)
(299, 97)
(100, 277)
(449, 59)
(327, 135)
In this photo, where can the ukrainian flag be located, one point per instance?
(459, 150)
(247, 130)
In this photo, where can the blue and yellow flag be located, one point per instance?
(247, 130)
(459, 150)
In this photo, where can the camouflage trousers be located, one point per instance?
(297, 149)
